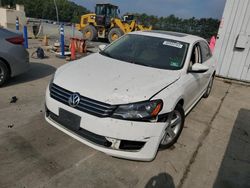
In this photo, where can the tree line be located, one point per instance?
(71, 12)
(204, 27)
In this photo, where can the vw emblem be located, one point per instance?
(74, 100)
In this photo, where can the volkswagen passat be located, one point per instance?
(132, 97)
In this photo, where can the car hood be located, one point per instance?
(113, 81)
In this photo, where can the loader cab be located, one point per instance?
(104, 14)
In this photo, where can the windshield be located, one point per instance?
(148, 51)
(100, 10)
(106, 10)
(112, 11)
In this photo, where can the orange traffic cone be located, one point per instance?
(45, 41)
(81, 46)
(73, 50)
(75, 43)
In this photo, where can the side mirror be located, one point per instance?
(198, 68)
(102, 47)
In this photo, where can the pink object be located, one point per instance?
(212, 43)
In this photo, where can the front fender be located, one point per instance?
(170, 96)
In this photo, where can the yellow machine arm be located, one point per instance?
(125, 27)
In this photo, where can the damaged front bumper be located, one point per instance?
(119, 138)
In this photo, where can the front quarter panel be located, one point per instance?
(171, 96)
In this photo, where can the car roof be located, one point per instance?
(183, 37)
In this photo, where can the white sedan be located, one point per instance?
(132, 97)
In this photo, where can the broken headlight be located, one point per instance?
(146, 110)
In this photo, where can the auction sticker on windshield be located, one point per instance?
(173, 44)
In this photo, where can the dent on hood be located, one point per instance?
(112, 81)
(165, 87)
(128, 97)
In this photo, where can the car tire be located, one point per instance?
(173, 131)
(4, 73)
(89, 33)
(209, 88)
(114, 34)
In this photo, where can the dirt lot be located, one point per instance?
(213, 150)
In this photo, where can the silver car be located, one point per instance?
(14, 58)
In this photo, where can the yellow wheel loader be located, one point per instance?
(104, 23)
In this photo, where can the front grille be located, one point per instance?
(87, 105)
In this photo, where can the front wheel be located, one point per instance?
(173, 130)
(209, 88)
(89, 33)
(114, 34)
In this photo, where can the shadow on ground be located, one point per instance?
(160, 181)
(36, 71)
(235, 167)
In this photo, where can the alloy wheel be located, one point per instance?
(173, 129)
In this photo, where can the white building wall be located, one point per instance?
(8, 17)
(232, 48)
(3, 19)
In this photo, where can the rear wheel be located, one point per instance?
(4, 73)
(89, 33)
(174, 130)
(114, 34)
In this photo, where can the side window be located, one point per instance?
(195, 56)
(205, 51)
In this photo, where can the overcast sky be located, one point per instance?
(180, 8)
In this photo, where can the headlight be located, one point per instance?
(139, 111)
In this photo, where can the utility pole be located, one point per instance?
(57, 16)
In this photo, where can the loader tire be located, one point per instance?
(89, 33)
(114, 34)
